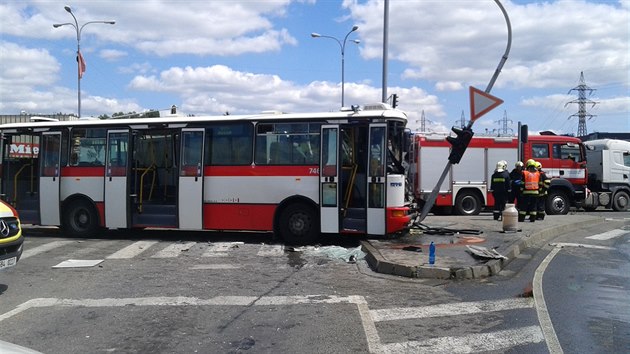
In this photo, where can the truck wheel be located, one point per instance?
(467, 203)
(80, 219)
(299, 224)
(557, 203)
(621, 201)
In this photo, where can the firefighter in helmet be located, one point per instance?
(516, 176)
(529, 192)
(500, 187)
(543, 185)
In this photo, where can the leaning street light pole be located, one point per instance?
(460, 143)
(80, 63)
(342, 46)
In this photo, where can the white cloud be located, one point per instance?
(112, 54)
(463, 41)
(162, 48)
(449, 86)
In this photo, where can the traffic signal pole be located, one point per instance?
(460, 143)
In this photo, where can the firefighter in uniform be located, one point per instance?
(529, 192)
(515, 177)
(500, 187)
(543, 184)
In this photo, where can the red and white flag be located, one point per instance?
(81, 65)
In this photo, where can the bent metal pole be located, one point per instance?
(429, 203)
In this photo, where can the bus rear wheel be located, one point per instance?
(299, 224)
(80, 219)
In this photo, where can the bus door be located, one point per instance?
(190, 196)
(116, 178)
(50, 159)
(376, 179)
(329, 179)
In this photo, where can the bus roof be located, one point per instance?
(378, 110)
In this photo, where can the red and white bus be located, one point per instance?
(297, 175)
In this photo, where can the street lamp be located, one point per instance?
(342, 46)
(80, 62)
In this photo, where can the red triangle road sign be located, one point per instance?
(481, 103)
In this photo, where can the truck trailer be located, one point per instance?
(608, 163)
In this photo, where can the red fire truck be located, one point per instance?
(465, 189)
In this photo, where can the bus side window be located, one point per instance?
(274, 153)
(221, 151)
(261, 151)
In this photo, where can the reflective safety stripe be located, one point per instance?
(498, 180)
(531, 180)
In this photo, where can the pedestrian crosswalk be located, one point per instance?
(30, 252)
(132, 250)
(471, 343)
(174, 250)
(152, 249)
(447, 314)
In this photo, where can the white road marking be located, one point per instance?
(132, 250)
(476, 342)
(452, 309)
(608, 235)
(369, 328)
(492, 341)
(214, 266)
(29, 252)
(174, 250)
(271, 250)
(308, 299)
(553, 344)
(220, 249)
(580, 245)
(184, 301)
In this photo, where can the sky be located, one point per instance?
(245, 57)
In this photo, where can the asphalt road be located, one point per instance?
(587, 289)
(175, 292)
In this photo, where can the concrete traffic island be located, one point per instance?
(408, 256)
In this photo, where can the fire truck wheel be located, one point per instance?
(80, 219)
(557, 203)
(621, 201)
(467, 203)
(299, 224)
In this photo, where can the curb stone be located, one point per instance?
(379, 264)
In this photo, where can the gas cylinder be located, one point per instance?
(510, 218)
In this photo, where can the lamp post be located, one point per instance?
(342, 46)
(79, 57)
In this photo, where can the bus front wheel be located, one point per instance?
(80, 219)
(299, 224)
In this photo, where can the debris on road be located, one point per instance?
(484, 252)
